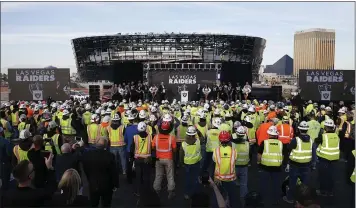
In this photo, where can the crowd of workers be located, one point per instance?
(46, 150)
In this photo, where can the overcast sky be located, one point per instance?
(38, 34)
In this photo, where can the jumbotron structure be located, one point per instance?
(96, 56)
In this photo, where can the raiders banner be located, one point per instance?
(177, 81)
(327, 85)
(39, 84)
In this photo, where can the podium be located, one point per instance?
(184, 96)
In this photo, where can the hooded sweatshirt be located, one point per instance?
(293, 145)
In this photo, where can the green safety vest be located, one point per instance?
(60, 115)
(6, 131)
(314, 129)
(86, 117)
(15, 118)
(23, 126)
(92, 130)
(272, 155)
(329, 149)
(243, 151)
(66, 127)
(252, 131)
(303, 152)
(212, 141)
(202, 129)
(20, 154)
(192, 153)
(352, 177)
(48, 146)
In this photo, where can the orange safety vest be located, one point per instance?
(285, 132)
(116, 136)
(158, 149)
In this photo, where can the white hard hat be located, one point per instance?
(153, 109)
(272, 130)
(141, 127)
(65, 112)
(36, 108)
(153, 118)
(108, 111)
(328, 108)
(241, 131)
(247, 119)
(217, 111)
(24, 134)
(22, 117)
(184, 119)
(245, 106)
(206, 106)
(116, 117)
(22, 106)
(102, 112)
(265, 111)
(251, 109)
(216, 122)
(322, 106)
(106, 119)
(97, 111)
(87, 107)
(167, 117)
(303, 125)
(142, 114)
(341, 110)
(94, 118)
(272, 107)
(191, 131)
(237, 124)
(202, 115)
(329, 123)
(130, 116)
(52, 125)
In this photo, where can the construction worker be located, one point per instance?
(15, 121)
(141, 151)
(66, 124)
(7, 128)
(270, 158)
(346, 136)
(23, 123)
(225, 157)
(20, 151)
(212, 142)
(286, 133)
(117, 143)
(328, 153)
(103, 130)
(180, 132)
(272, 112)
(86, 115)
(299, 159)
(165, 146)
(314, 126)
(242, 147)
(351, 169)
(190, 155)
(53, 139)
(93, 129)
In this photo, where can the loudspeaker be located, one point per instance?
(94, 92)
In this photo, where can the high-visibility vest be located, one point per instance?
(225, 159)
(66, 127)
(4, 126)
(272, 155)
(23, 126)
(303, 152)
(20, 154)
(60, 115)
(93, 132)
(149, 129)
(192, 153)
(352, 177)
(243, 151)
(203, 129)
(314, 129)
(285, 132)
(329, 149)
(86, 117)
(158, 149)
(212, 141)
(181, 133)
(48, 146)
(15, 118)
(142, 146)
(103, 131)
(348, 130)
(116, 136)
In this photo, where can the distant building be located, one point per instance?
(284, 66)
(314, 49)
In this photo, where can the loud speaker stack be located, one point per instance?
(94, 92)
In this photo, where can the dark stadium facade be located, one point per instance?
(97, 57)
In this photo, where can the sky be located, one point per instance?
(38, 34)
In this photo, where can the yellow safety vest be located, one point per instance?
(142, 146)
(192, 153)
(66, 127)
(212, 141)
(6, 131)
(243, 151)
(348, 130)
(352, 177)
(60, 115)
(23, 126)
(48, 146)
(225, 159)
(116, 136)
(20, 154)
(303, 152)
(329, 149)
(86, 117)
(272, 155)
(181, 133)
(15, 118)
(93, 132)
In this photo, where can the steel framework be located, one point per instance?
(93, 54)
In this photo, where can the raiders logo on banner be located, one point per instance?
(37, 94)
(184, 96)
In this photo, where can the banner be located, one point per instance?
(39, 84)
(181, 80)
(327, 85)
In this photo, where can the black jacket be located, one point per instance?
(66, 161)
(100, 168)
(59, 200)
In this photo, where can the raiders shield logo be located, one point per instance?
(325, 95)
(38, 95)
(185, 94)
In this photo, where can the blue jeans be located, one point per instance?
(242, 173)
(208, 160)
(274, 189)
(326, 176)
(294, 172)
(227, 189)
(191, 178)
(120, 155)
